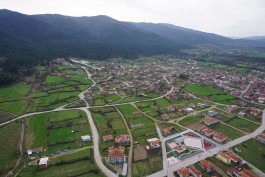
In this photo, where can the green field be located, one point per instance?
(73, 164)
(243, 124)
(230, 132)
(12, 99)
(108, 122)
(15, 92)
(190, 120)
(253, 152)
(54, 80)
(133, 117)
(9, 138)
(145, 167)
(202, 90)
(57, 131)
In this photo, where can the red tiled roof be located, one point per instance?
(224, 155)
(220, 136)
(194, 170)
(246, 173)
(107, 137)
(202, 128)
(232, 156)
(183, 171)
(206, 164)
(262, 135)
(116, 152)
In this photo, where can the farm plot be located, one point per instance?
(243, 124)
(108, 122)
(253, 152)
(230, 132)
(57, 131)
(12, 99)
(190, 120)
(80, 163)
(6, 116)
(213, 93)
(142, 128)
(60, 87)
(133, 117)
(9, 139)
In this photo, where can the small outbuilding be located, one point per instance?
(86, 138)
(43, 162)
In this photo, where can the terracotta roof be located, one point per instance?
(209, 131)
(108, 137)
(206, 164)
(202, 128)
(246, 173)
(262, 135)
(194, 170)
(224, 155)
(183, 171)
(220, 136)
(210, 120)
(116, 152)
(164, 116)
(232, 156)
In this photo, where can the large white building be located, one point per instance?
(193, 142)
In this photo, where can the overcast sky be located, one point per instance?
(238, 18)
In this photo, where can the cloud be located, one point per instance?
(225, 17)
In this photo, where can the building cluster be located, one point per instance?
(256, 92)
(216, 136)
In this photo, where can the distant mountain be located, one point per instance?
(26, 40)
(182, 35)
(256, 38)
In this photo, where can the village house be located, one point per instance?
(107, 138)
(209, 132)
(261, 99)
(212, 113)
(245, 173)
(164, 116)
(261, 138)
(34, 150)
(189, 110)
(122, 139)
(241, 113)
(206, 166)
(116, 155)
(202, 105)
(172, 107)
(183, 172)
(194, 172)
(233, 157)
(43, 162)
(220, 137)
(33, 163)
(231, 108)
(232, 172)
(255, 112)
(154, 143)
(210, 121)
(223, 157)
(202, 129)
(167, 131)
